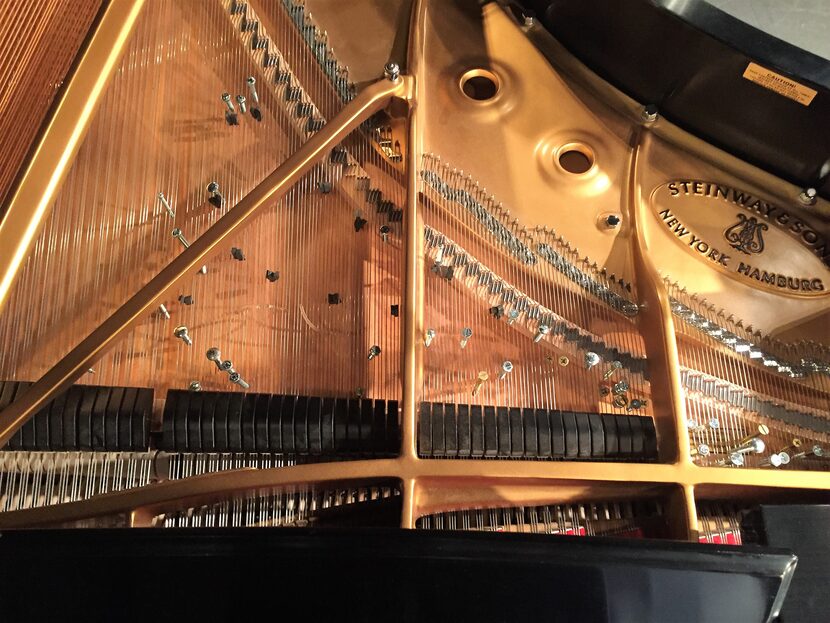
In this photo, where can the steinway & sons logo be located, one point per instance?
(749, 238)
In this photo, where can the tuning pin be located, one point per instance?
(234, 377)
(255, 113)
(701, 450)
(374, 351)
(615, 365)
(482, 378)
(774, 460)
(541, 332)
(466, 334)
(506, 368)
(164, 313)
(591, 359)
(215, 356)
(166, 205)
(181, 333)
(428, 337)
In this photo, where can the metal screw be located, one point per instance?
(615, 365)
(163, 311)
(252, 88)
(227, 366)
(177, 233)
(392, 72)
(795, 444)
(541, 332)
(240, 99)
(702, 450)
(195, 386)
(166, 205)
(808, 196)
(215, 356)
(226, 97)
(181, 333)
(564, 361)
(466, 334)
(384, 232)
(620, 401)
(612, 221)
(236, 379)
(506, 368)
(636, 403)
(620, 387)
(650, 113)
(755, 445)
(481, 380)
(374, 352)
(512, 316)
(763, 429)
(591, 359)
(428, 337)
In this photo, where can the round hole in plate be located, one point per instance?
(479, 84)
(576, 159)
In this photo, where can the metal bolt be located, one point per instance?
(384, 232)
(428, 337)
(591, 359)
(163, 311)
(392, 72)
(541, 332)
(374, 352)
(650, 113)
(234, 377)
(226, 97)
(181, 333)
(808, 196)
(506, 368)
(615, 365)
(755, 445)
(252, 88)
(166, 205)
(177, 233)
(240, 99)
(512, 316)
(466, 334)
(481, 380)
(620, 387)
(763, 429)
(195, 386)
(701, 450)
(215, 356)
(612, 221)
(227, 366)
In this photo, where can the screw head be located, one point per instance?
(240, 99)
(564, 361)
(251, 80)
(703, 450)
(591, 359)
(466, 333)
(507, 366)
(213, 187)
(213, 354)
(195, 386)
(226, 97)
(808, 196)
(226, 365)
(650, 113)
(392, 71)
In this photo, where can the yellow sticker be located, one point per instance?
(780, 84)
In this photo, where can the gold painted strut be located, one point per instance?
(371, 100)
(33, 198)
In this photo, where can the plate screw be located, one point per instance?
(374, 352)
(482, 378)
(226, 97)
(195, 386)
(181, 333)
(166, 205)
(512, 316)
(215, 356)
(240, 99)
(564, 361)
(252, 88)
(650, 113)
(428, 337)
(466, 334)
(392, 72)
(506, 368)
(541, 332)
(237, 380)
(615, 365)
(808, 196)
(591, 359)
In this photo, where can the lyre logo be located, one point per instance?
(745, 235)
